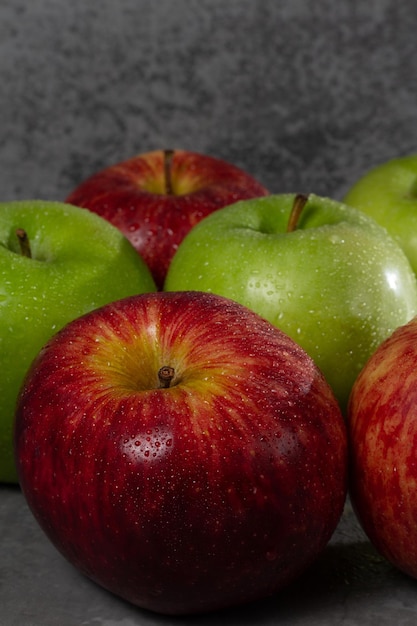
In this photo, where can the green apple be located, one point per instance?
(57, 262)
(388, 193)
(323, 272)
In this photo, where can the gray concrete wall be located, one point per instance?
(304, 95)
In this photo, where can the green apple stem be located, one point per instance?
(165, 375)
(24, 243)
(168, 154)
(299, 203)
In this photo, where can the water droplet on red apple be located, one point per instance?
(157, 591)
(146, 446)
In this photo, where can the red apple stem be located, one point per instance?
(299, 203)
(165, 375)
(168, 155)
(24, 243)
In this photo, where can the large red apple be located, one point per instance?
(155, 198)
(383, 433)
(181, 451)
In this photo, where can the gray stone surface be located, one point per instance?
(305, 96)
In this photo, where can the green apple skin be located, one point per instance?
(388, 193)
(79, 262)
(338, 284)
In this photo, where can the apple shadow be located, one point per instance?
(349, 578)
(344, 574)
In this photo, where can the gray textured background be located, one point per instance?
(304, 95)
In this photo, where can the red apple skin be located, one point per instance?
(382, 424)
(132, 195)
(216, 491)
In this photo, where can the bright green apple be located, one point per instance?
(388, 193)
(57, 262)
(323, 272)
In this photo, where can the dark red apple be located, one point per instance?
(181, 451)
(155, 198)
(383, 433)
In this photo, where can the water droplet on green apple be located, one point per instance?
(336, 239)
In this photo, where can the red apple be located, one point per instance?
(157, 197)
(383, 433)
(181, 451)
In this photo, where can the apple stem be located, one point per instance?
(168, 154)
(165, 375)
(299, 203)
(24, 244)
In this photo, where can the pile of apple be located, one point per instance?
(192, 368)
